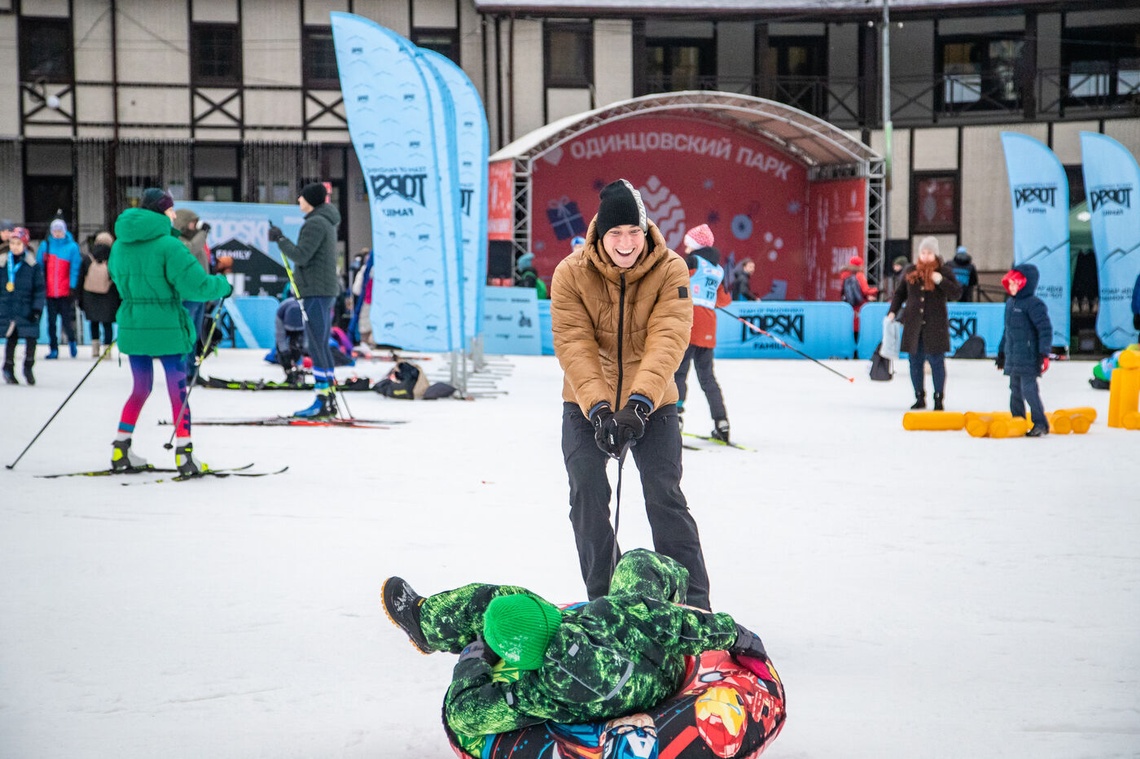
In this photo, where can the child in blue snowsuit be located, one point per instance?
(1023, 352)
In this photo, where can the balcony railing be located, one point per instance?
(956, 98)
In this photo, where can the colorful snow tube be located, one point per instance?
(934, 420)
(723, 709)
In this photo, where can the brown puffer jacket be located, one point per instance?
(586, 298)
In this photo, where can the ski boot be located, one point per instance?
(323, 407)
(402, 605)
(185, 463)
(123, 459)
(10, 374)
(31, 378)
(720, 432)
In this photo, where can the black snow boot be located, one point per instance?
(10, 374)
(938, 402)
(720, 431)
(919, 401)
(402, 605)
(1039, 430)
(31, 378)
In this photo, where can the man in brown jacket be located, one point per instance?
(622, 314)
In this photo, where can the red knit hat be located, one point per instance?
(699, 237)
(20, 233)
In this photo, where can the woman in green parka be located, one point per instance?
(154, 273)
(617, 655)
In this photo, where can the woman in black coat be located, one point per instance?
(98, 296)
(927, 285)
(22, 298)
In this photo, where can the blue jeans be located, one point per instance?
(1023, 390)
(937, 369)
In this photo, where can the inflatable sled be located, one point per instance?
(723, 709)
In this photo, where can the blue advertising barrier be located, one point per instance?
(966, 320)
(546, 327)
(821, 330)
(511, 321)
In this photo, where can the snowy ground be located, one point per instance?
(923, 594)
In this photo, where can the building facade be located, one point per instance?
(239, 99)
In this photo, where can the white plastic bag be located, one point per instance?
(892, 339)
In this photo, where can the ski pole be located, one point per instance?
(106, 352)
(766, 333)
(193, 377)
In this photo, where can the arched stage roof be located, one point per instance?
(823, 148)
(810, 140)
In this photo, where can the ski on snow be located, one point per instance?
(294, 421)
(710, 439)
(240, 472)
(148, 469)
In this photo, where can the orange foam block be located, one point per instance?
(1132, 420)
(1123, 393)
(1086, 411)
(934, 420)
(1128, 359)
(978, 423)
(1013, 427)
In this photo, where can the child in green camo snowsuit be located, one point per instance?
(616, 655)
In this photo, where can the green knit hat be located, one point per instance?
(519, 628)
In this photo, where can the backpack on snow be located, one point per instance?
(852, 293)
(974, 347)
(406, 381)
(98, 279)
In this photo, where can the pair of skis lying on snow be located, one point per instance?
(240, 471)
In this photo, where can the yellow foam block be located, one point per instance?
(1123, 393)
(934, 420)
(1086, 411)
(1132, 420)
(1014, 427)
(1128, 359)
(1081, 424)
(1060, 423)
(978, 422)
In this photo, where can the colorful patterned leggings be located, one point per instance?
(142, 369)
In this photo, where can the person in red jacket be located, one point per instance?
(62, 261)
(706, 279)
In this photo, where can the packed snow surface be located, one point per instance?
(923, 595)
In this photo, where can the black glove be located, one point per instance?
(275, 234)
(204, 227)
(602, 418)
(478, 649)
(748, 643)
(35, 317)
(1135, 321)
(630, 421)
(1000, 361)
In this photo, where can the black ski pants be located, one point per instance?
(702, 358)
(658, 459)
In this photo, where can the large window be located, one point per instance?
(215, 55)
(46, 51)
(318, 61)
(1102, 64)
(799, 68)
(443, 41)
(680, 64)
(980, 72)
(569, 54)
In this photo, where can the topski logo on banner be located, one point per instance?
(398, 119)
(471, 139)
(1040, 194)
(1112, 179)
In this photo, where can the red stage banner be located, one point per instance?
(689, 171)
(500, 200)
(838, 230)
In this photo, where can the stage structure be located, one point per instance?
(795, 194)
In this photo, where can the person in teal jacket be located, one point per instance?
(617, 655)
(154, 273)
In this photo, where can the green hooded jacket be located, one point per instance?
(154, 273)
(616, 655)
